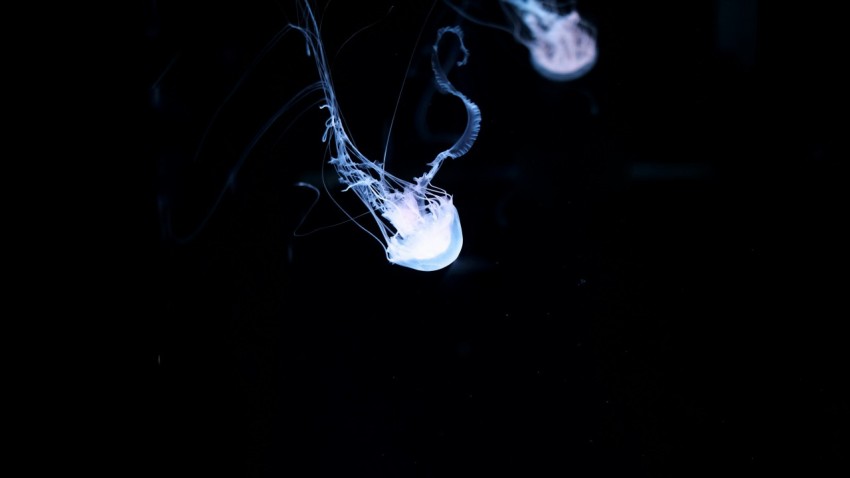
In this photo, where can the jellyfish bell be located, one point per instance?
(427, 238)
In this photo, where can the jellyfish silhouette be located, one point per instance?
(562, 44)
(418, 222)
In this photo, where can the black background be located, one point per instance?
(650, 279)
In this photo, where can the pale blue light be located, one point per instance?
(562, 46)
(418, 221)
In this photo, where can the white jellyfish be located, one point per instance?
(418, 221)
(561, 44)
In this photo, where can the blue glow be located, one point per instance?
(418, 221)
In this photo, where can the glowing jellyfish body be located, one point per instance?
(562, 46)
(418, 221)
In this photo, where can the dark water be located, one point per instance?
(651, 267)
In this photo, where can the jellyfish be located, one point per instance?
(418, 221)
(562, 46)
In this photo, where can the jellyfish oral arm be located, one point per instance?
(473, 113)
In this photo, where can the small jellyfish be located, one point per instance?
(418, 221)
(562, 46)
